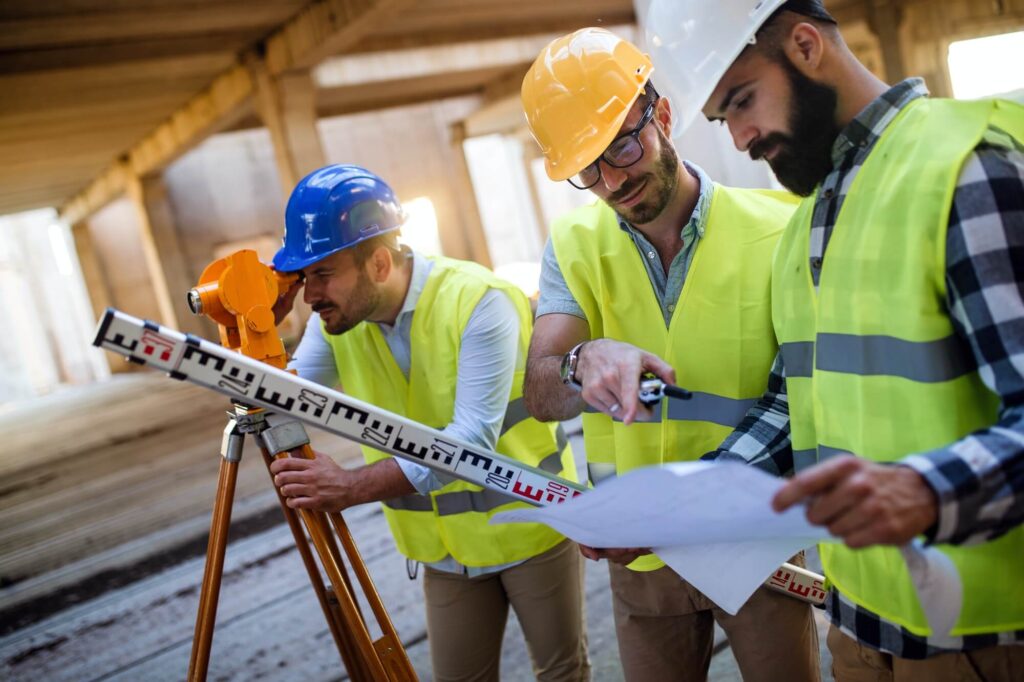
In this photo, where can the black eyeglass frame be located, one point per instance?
(646, 118)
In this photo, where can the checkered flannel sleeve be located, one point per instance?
(979, 480)
(762, 438)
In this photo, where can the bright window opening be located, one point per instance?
(420, 229)
(988, 66)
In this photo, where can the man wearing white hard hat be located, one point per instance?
(666, 272)
(897, 302)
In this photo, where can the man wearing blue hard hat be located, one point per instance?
(897, 302)
(444, 343)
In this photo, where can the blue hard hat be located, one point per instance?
(332, 209)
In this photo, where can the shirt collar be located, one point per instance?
(867, 126)
(417, 281)
(698, 219)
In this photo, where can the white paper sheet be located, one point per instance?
(714, 525)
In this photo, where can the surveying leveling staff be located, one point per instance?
(897, 301)
(442, 342)
(616, 270)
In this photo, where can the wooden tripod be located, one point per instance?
(383, 660)
(238, 293)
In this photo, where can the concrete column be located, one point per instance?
(530, 152)
(885, 18)
(96, 284)
(474, 242)
(287, 106)
(168, 267)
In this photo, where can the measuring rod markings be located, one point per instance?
(226, 371)
(187, 357)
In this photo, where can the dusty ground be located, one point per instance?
(106, 497)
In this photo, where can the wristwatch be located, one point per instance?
(568, 367)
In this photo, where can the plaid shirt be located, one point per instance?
(979, 479)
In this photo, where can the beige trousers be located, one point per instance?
(665, 628)
(466, 618)
(854, 662)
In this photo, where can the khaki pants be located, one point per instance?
(854, 662)
(665, 628)
(466, 618)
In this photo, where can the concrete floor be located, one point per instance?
(103, 555)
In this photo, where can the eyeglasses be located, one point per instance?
(623, 152)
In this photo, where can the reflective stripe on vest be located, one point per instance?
(926, 361)
(702, 407)
(719, 339)
(707, 407)
(454, 520)
(872, 361)
(514, 414)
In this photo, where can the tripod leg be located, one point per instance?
(285, 437)
(389, 646)
(349, 609)
(214, 569)
(328, 602)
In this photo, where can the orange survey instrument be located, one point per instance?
(238, 293)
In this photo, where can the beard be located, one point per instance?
(361, 303)
(663, 180)
(804, 156)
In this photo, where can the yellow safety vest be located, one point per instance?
(454, 519)
(719, 340)
(873, 364)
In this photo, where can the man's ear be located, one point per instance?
(663, 116)
(805, 48)
(380, 264)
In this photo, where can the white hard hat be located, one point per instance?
(694, 42)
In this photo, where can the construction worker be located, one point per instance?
(442, 342)
(897, 302)
(666, 272)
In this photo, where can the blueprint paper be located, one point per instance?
(713, 524)
(677, 504)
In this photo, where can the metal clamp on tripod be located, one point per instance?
(238, 292)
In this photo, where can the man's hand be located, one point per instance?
(313, 483)
(286, 300)
(610, 372)
(616, 556)
(862, 502)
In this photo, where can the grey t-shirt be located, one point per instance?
(555, 296)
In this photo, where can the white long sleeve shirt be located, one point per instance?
(487, 361)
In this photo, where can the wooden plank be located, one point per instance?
(49, 8)
(403, 92)
(137, 24)
(210, 110)
(323, 28)
(83, 118)
(300, 42)
(101, 191)
(74, 83)
(434, 23)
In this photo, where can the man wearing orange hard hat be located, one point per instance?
(666, 272)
